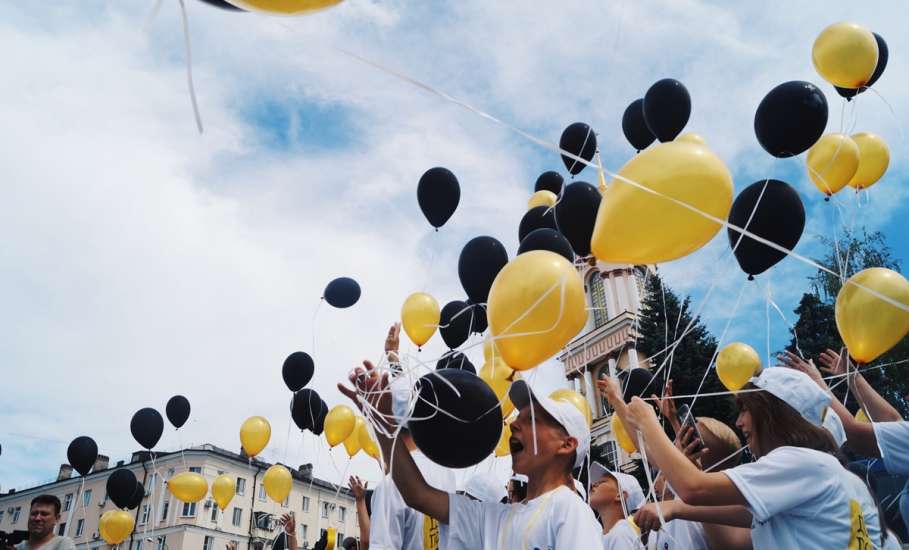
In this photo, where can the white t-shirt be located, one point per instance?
(557, 520)
(679, 534)
(802, 498)
(395, 526)
(893, 441)
(622, 536)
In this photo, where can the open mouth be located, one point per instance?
(515, 445)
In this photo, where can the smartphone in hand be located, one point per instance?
(686, 418)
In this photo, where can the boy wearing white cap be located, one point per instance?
(796, 495)
(549, 439)
(615, 495)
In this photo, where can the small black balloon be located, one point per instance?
(667, 107)
(779, 218)
(883, 54)
(576, 214)
(468, 438)
(455, 360)
(297, 370)
(791, 118)
(454, 323)
(547, 239)
(223, 4)
(147, 426)
(121, 486)
(82, 453)
(305, 408)
(537, 217)
(478, 316)
(550, 181)
(637, 381)
(635, 127)
(342, 292)
(580, 140)
(138, 494)
(438, 194)
(481, 260)
(177, 411)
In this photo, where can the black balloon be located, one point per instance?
(455, 360)
(481, 260)
(667, 107)
(635, 127)
(223, 4)
(306, 408)
(580, 140)
(550, 181)
(468, 438)
(82, 453)
(138, 494)
(883, 54)
(576, 215)
(121, 486)
(454, 323)
(478, 316)
(791, 118)
(342, 293)
(438, 194)
(177, 411)
(297, 370)
(547, 239)
(320, 421)
(537, 217)
(147, 426)
(779, 218)
(637, 382)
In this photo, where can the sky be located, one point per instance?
(142, 259)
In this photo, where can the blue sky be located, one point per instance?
(145, 260)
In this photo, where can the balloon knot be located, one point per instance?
(827, 198)
(750, 277)
(437, 229)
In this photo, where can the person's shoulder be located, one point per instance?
(801, 456)
(63, 543)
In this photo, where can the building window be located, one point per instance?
(87, 497)
(208, 542)
(342, 514)
(16, 513)
(164, 510)
(262, 494)
(138, 545)
(241, 486)
(189, 510)
(150, 485)
(340, 537)
(303, 532)
(61, 528)
(238, 517)
(143, 519)
(214, 513)
(305, 504)
(80, 525)
(325, 509)
(598, 299)
(67, 502)
(196, 469)
(162, 543)
(1, 516)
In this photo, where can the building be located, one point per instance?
(606, 346)
(163, 523)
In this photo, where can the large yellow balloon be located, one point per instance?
(832, 162)
(736, 364)
(845, 55)
(498, 376)
(188, 486)
(869, 325)
(576, 399)
(874, 158)
(339, 424)
(621, 435)
(691, 137)
(542, 198)
(637, 227)
(285, 7)
(254, 435)
(223, 489)
(536, 305)
(503, 448)
(115, 526)
(420, 316)
(277, 482)
(369, 445)
(352, 443)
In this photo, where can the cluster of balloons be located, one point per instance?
(342, 425)
(661, 114)
(838, 160)
(850, 57)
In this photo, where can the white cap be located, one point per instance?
(579, 489)
(486, 487)
(566, 414)
(796, 389)
(628, 484)
(834, 425)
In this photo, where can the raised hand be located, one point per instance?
(290, 526)
(793, 361)
(393, 342)
(666, 404)
(688, 442)
(357, 487)
(648, 519)
(833, 363)
(370, 385)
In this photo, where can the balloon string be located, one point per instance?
(432, 259)
(767, 317)
(899, 123)
(189, 66)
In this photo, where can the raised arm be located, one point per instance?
(290, 530)
(358, 488)
(878, 408)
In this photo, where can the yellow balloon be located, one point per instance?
(637, 227)
(115, 526)
(277, 482)
(369, 445)
(576, 399)
(285, 7)
(691, 137)
(498, 376)
(502, 447)
(536, 305)
(845, 55)
(621, 435)
(489, 349)
(331, 538)
(542, 198)
(352, 443)
(188, 486)
(420, 316)
(223, 489)
(874, 158)
(339, 424)
(736, 364)
(869, 325)
(861, 416)
(832, 162)
(254, 435)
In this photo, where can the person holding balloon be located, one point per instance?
(795, 495)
